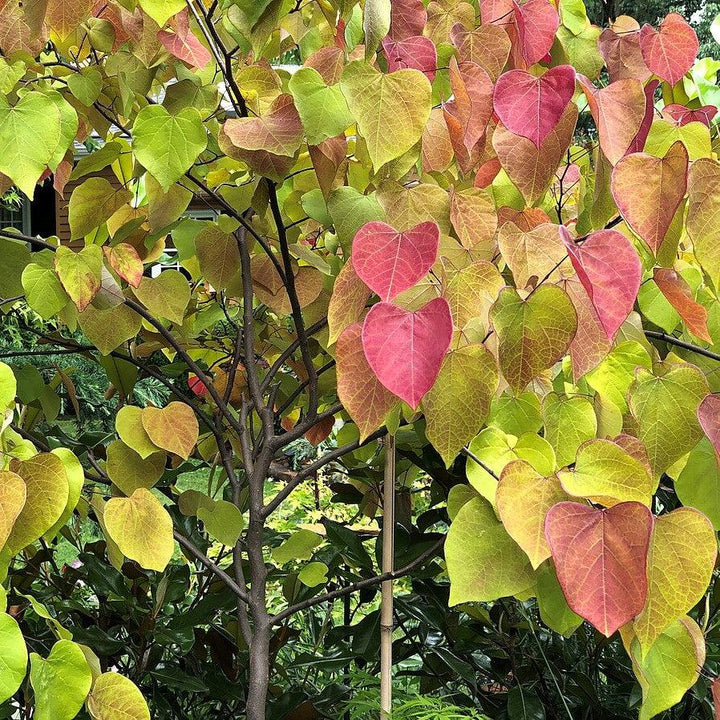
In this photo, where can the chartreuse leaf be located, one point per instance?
(80, 273)
(606, 473)
(29, 135)
(43, 290)
(173, 428)
(162, 10)
(141, 528)
(8, 386)
(222, 520)
(601, 558)
(93, 203)
(483, 561)
(75, 477)
(391, 110)
(613, 376)
(496, 449)
(129, 471)
(313, 574)
(299, 546)
(698, 485)
(458, 403)
(554, 610)
(350, 210)
(61, 683)
(165, 296)
(671, 666)
(516, 414)
(129, 426)
(115, 697)
(12, 501)
(682, 556)
(664, 405)
(533, 334)
(167, 145)
(569, 421)
(219, 258)
(323, 110)
(110, 328)
(48, 489)
(13, 657)
(523, 499)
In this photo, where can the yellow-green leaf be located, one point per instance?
(141, 528)
(80, 273)
(173, 428)
(115, 697)
(165, 296)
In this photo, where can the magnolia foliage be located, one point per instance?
(496, 223)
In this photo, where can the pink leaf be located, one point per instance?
(537, 22)
(638, 143)
(183, 44)
(414, 52)
(405, 349)
(610, 271)
(532, 106)
(709, 417)
(682, 115)
(601, 559)
(407, 18)
(670, 51)
(388, 261)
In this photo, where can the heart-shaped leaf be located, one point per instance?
(114, 696)
(486, 45)
(607, 473)
(459, 402)
(167, 145)
(165, 296)
(533, 334)
(670, 51)
(416, 52)
(361, 393)
(682, 556)
(322, 108)
(648, 206)
(141, 528)
(406, 349)
(610, 271)
(679, 294)
(61, 683)
(682, 115)
(523, 499)
(12, 501)
(173, 428)
(532, 106)
(388, 261)
(125, 261)
(537, 22)
(620, 48)
(532, 168)
(391, 110)
(532, 255)
(407, 18)
(80, 273)
(618, 111)
(484, 563)
(601, 558)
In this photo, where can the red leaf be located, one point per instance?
(532, 106)
(320, 431)
(670, 51)
(601, 559)
(709, 417)
(414, 52)
(196, 385)
(388, 261)
(682, 115)
(610, 271)
(407, 18)
(487, 173)
(679, 295)
(537, 22)
(405, 349)
(183, 44)
(638, 143)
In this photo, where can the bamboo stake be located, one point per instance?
(388, 565)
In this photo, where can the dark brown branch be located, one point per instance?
(670, 339)
(361, 584)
